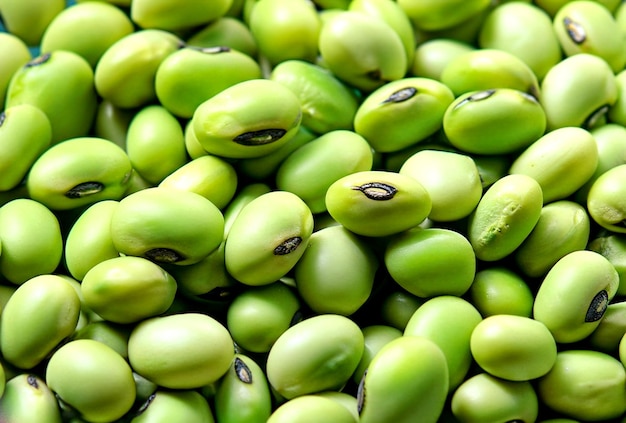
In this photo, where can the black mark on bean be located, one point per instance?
(288, 246)
(242, 371)
(360, 393)
(575, 31)
(401, 95)
(378, 191)
(85, 189)
(481, 95)
(163, 255)
(597, 307)
(39, 60)
(261, 137)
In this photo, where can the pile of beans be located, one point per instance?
(293, 211)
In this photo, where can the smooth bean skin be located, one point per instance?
(563, 227)
(19, 19)
(396, 387)
(111, 122)
(451, 179)
(574, 295)
(617, 111)
(264, 168)
(310, 170)
(347, 400)
(484, 69)
(45, 307)
(515, 27)
(604, 201)
(484, 397)
(327, 349)
(201, 355)
(362, 50)
(243, 394)
(553, 6)
(327, 103)
(210, 176)
(499, 290)
(391, 13)
(432, 56)
(285, 30)
(14, 54)
(589, 27)
(514, 348)
(189, 76)
(128, 289)
(60, 83)
(32, 243)
(28, 398)
(248, 119)
(79, 172)
(584, 385)
(155, 143)
(375, 337)
(273, 310)
(449, 322)
(176, 15)
(267, 238)
(167, 226)
(419, 261)
(25, 133)
(336, 273)
(505, 216)
(111, 334)
(244, 195)
(608, 335)
(93, 379)
(171, 405)
(378, 203)
(550, 159)
(612, 246)
(88, 241)
(611, 143)
(386, 118)
(226, 31)
(125, 72)
(437, 15)
(311, 409)
(495, 121)
(87, 29)
(571, 98)
(398, 307)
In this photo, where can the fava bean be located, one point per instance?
(322, 279)
(396, 387)
(584, 385)
(612, 246)
(111, 334)
(202, 353)
(87, 29)
(19, 19)
(248, 119)
(14, 54)
(72, 173)
(499, 290)
(28, 398)
(328, 348)
(435, 15)
(311, 409)
(167, 226)
(189, 76)
(170, 405)
(433, 55)
(484, 397)
(449, 322)
(609, 333)
(574, 295)
(273, 308)
(505, 216)
(419, 260)
(32, 243)
(61, 84)
(604, 201)
(175, 15)
(226, 31)
(375, 337)
(402, 113)
(362, 50)
(93, 379)
(46, 307)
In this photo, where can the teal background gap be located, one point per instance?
(34, 50)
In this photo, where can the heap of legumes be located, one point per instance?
(325, 211)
